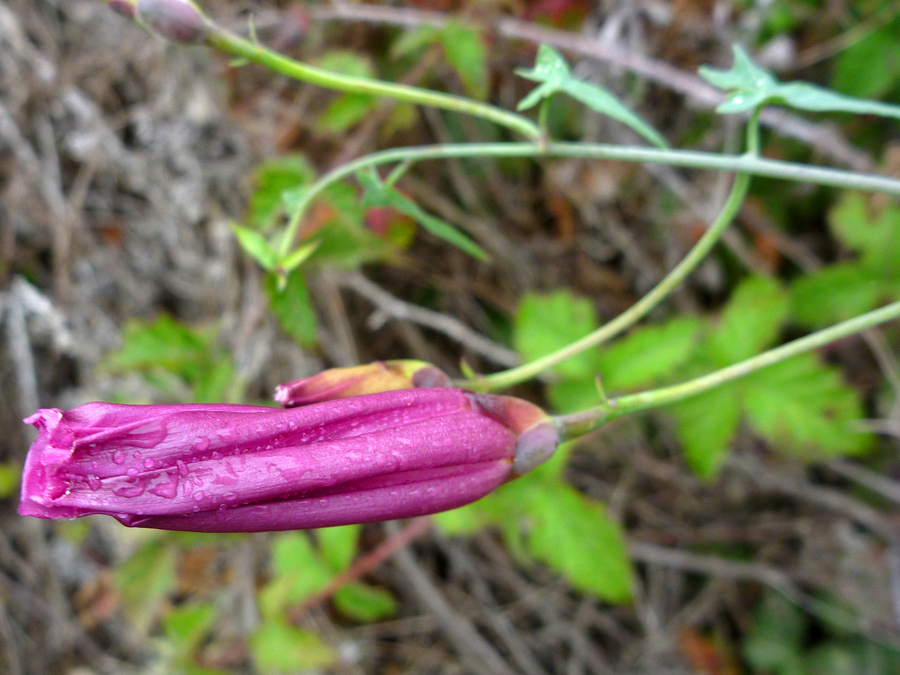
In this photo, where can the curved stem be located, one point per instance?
(747, 164)
(642, 307)
(582, 422)
(237, 46)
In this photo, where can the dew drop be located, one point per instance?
(149, 463)
(230, 496)
(137, 454)
(198, 496)
(93, 483)
(217, 455)
(168, 488)
(182, 468)
(201, 444)
(119, 457)
(132, 472)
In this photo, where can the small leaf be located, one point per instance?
(270, 180)
(751, 87)
(751, 321)
(257, 246)
(298, 256)
(574, 394)
(293, 307)
(553, 72)
(188, 625)
(804, 408)
(345, 112)
(279, 648)
(10, 478)
(833, 294)
(574, 535)
(547, 323)
(144, 581)
(706, 425)
(877, 55)
(648, 354)
(365, 603)
(464, 47)
(415, 41)
(378, 194)
(338, 545)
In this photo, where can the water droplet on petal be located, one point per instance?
(201, 444)
(94, 483)
(132, 472)
(137, 454)
(198, 496)
(149, 463)
(119, 457)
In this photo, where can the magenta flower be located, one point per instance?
(227, 468)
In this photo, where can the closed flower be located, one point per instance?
(228, 468)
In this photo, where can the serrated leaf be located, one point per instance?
(293, 307)
(270, 180)
(465, 51)
(833, 294)
(751, 87)
(377, 194)
(874, 233)
(553, 72)
(751, 321)
(574, 535)
(706, 425)
(547, 323)
(365, 603)
(277, 647)
(648, 354)
(804, 408)
(257, 246)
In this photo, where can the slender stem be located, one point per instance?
(748, 164)
(235, 45)
(579, 423)
(642, 307)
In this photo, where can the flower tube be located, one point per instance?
(226, 468)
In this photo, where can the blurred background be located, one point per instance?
(753, 531)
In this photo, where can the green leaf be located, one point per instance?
(293, 307)
(706, 425)
(751, 321)
(378, 194)
(552, 71)
(574, 535)
(465, 51)
(144, 580)
(10, 478)
(876, 235)
(415, 41)
(833, 294)
(877, 55)
(547, 323)
(574, 394)
(751, 87)
(257, 246)
(188, 625)
(345, 112)
(270, 180)
(775, 641)
(338, 545)
(805, 409)
(277, 648)
(365, 603)
(299, 574)
(648, 354)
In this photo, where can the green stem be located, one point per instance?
(582, 422)
(746, 164)
(259, 54)
(645, 305)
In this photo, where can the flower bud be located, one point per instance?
(176, 20)
(126, 7)
(372, 378)
(228, 468)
